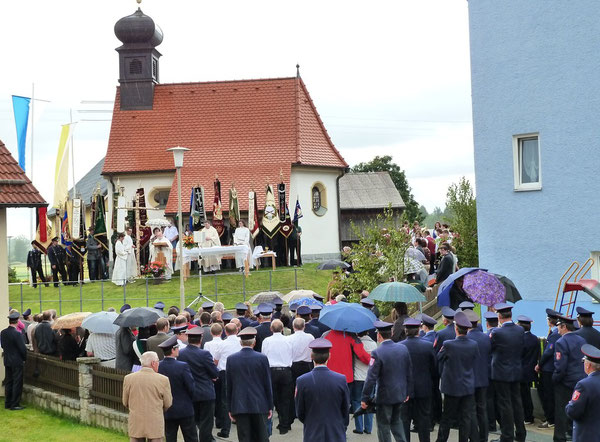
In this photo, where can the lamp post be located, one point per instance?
(178, 159)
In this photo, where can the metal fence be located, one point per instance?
(107, 387)
(52, 374)
(227, 287)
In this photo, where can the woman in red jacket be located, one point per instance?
(343, 345)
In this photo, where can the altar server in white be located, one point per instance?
(132, 270)
(241, 236)
(167, 249)
(119, 276)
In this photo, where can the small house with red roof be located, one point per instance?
(249, 133)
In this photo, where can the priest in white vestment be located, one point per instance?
(165, 247)
(210, 239)
(119, 276)
(132, 271)
(241, 236)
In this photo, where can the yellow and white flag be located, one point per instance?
(61, 174)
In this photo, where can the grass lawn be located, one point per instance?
(226, 287)
(33, 424)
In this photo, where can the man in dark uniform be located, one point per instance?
(34, 264)
(546, 368)
(240, 311)
(208, 306)
(428, 328)
(568, 370)
(448, 332)
(204, 372)
(457, 359)
(507, 348)
(181, 413)
(263, 330)
(249, 393)
(531, 355)
(15, 353)
(56, 255)
(304, 312)
(587, 330)
(424, 370)
(278, 303)
(390, 370)
(95, 256)
(314, 314)
(480, 425)
(322, 398)
(491, 322)
(369, 304)
(584, 407)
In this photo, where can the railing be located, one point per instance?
(52, 374)
(107, 387)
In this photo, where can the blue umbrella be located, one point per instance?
(443, 297)
(304, 301)
(348, 317)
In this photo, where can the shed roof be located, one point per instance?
(369, 190)
(16, 189)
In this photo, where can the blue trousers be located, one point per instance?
(363, 422)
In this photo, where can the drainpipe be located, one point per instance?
(339, 210)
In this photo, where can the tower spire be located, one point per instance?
(297, 68)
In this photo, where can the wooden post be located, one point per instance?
(138, 228)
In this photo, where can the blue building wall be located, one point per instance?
(536, 68)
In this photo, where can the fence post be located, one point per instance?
(295, 279)
(270, 280)
(102, 291)
(80, 295)
(124, 293)
(147, 305)
(85, 386)
(59, 299)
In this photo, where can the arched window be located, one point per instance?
(158, 197)
(316, 199)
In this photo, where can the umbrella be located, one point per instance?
(443, 297)
(304, 301)
(344, 316)
(101, 322)
(265, 297)
(71, 320)
(413, 253)
(298, 294)
(411, 265)
(138, 317)
(157, 222)
(396, 292)
(333, 264)
(484, 288)
(512, 293)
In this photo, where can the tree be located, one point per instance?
(461, 213)
(385, 164)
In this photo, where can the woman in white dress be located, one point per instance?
(167, 249)
(241, 236)
(119, 276)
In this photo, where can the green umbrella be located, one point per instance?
(396, 292)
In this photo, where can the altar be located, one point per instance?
(197, 253)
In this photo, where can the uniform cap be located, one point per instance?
(320, 345)
(466, 305)
(448, 312)
(428, 320)
(265, 309)
(226, 316)
(591, 353)
(552, 313)
(256, 312)
(316, 307)
(191, 311)
(318, 297)
(523, 318)
(367, 301)
(503, 307)
(461, 320)
(195, 331)
(580, 311)
(565, 320)
(179, 329)
(490, 315)
(472, 316)
(27, 312)
(159, 305)
(208, 305)
(247, 333)
(304, 310)
(241, 306)
(171, 342)
(14, 315)
(383, 326)
(124, 307)
(411, 322)
(277, 301)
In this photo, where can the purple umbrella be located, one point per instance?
(484, 288)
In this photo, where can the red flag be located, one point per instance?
(217, 222)
(42, 224)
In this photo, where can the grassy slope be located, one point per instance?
(32, 424)
(229, 290)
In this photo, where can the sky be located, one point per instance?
(387, 77)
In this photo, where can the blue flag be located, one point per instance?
(297, 212)
(21, 110)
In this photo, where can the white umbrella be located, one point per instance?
(415, 254)
(101, 322)
(297, 294)
(157, 222)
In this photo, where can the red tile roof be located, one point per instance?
(16, 189)
(244, 131)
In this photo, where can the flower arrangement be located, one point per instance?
(155, 269)
(188, 242)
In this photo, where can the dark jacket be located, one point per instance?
(430, 336)
(584, 409)
(153, 341)
(531, 355)
(547, 359)
(34, 259)
(316, 323)
(322, 405)
(483, 363)
(94, 249)
(68, 350)
(182, 387)
(507, 350)
(203, 370)
(13, 347)
(248, 383)
(457, 359)
(398, 331)
(263, 331)
(424, 365)
(391, 370)
(125, 355)
(568, 367)
(445, 334)
(56, 255)
(46, 339)
(445, 269)
(590, 334)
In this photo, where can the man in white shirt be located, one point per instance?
(278, 349)
(227, 347)
(211, 346)
(301, 360)
(171, 233)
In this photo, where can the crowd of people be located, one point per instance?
(194, 371)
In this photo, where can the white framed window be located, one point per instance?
(527, 162)
(318, 199)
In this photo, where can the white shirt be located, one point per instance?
(299, 341)
(278, 349)
(360, 369)
(170, 233)
(212, 346)
(181, 344)
(227, 347)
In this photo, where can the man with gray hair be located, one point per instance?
(147, 394)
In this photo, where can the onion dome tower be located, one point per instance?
(138, 59)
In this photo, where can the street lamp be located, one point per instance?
(9, 238)
(178, 159)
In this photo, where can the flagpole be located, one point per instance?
(31, 219)
(72, 151)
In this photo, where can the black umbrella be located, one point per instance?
(512, 293)
(370, 409)
(138, 317)
(333, 264)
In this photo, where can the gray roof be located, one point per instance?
(369, 190)
(86, 185)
